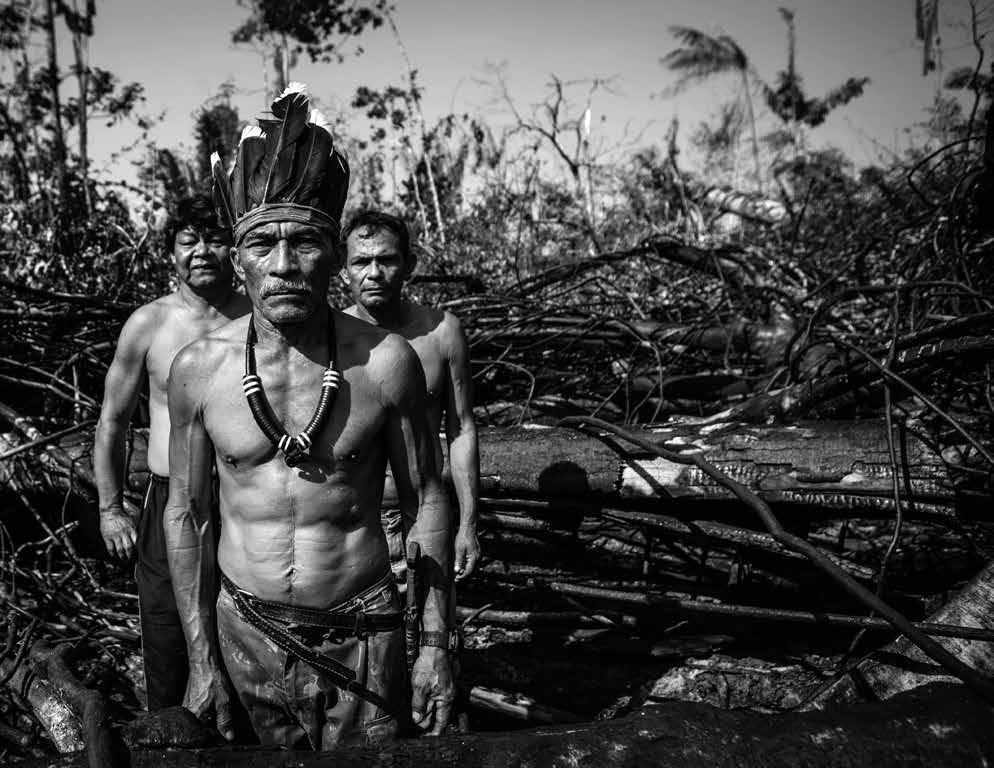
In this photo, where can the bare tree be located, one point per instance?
(569, 137)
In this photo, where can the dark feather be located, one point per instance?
(310, 167)
(253, 171)
(251, 152)
(282, 135)
(336, 186)
(222, 192)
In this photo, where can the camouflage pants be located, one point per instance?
(293, 705)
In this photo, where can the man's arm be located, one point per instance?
(121, 389)
(188, 526)
(460, 433)
(412, 456)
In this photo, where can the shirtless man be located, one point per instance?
(308, 619)
(379, 260)
(149, 340)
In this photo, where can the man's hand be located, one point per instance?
(434, 690)
(467, 551)
(118, 530)
(207, 690)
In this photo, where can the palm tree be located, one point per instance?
(788, 100)
(703, 56)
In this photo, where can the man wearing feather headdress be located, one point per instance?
(155, 332)
(301, 407)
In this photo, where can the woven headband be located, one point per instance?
(271, 213)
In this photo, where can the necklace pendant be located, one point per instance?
(293, 460)
(295, 455)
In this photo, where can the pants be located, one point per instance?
(393, 529)
(293, 705)
(163, 643)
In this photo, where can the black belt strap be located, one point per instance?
(344, 677)
(358, 622)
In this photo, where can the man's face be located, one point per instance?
(375, 268)
(286, 268)
(202, 258)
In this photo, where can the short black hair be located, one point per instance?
(196, 212)
(378, 221)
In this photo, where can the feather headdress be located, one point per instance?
(286, 169)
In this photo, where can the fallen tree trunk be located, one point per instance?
(935, 726)
(747, 205)
(829, 465)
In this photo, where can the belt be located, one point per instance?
(343, 676)
(360, 622)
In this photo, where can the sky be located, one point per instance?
(181, 51)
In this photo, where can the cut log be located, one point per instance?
(936, 726)
(828, 465)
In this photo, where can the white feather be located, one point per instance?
(293, 87)
(318, 119)
(251, 130)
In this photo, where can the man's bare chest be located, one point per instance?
(347, 442)
(430, 356)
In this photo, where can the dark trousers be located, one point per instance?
(163, 643)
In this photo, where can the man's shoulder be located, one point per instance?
(423, 319)
(153, 312)
(449, 333)
(448, 323)
(355, 331)
(390, 353)
(207, 353)
(144, 323)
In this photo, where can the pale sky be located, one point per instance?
(181, 51)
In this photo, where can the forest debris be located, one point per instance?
(900, 666)
(86, 704)
(935, 726)
(731, 683)
(170, 727)
(518, 706)
(681, 604)
(52, 711)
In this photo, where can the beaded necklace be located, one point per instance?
(294, 449)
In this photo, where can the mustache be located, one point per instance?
(270, 287)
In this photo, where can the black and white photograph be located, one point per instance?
(549, 384)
